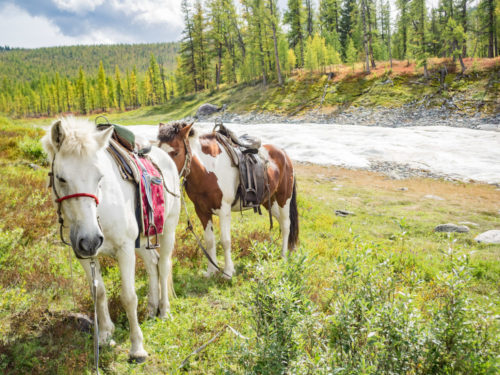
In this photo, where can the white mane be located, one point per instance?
(79, 138)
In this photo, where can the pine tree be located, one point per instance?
(102, 90)
(418, 35)
(346, 25)
(293, 17)
(120, 99)
(351, 54)
(82, 92)
(273, 18)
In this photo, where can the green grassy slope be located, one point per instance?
(375, 292)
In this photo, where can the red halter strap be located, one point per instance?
(59, 200)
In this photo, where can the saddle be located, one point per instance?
(244, 153)
(130, 153)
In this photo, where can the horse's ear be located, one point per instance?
(57, 134)
(103, 137)
(186, 130)
(161, 125)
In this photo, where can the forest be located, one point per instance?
(225, 43)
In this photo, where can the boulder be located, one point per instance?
(450, 227)
(491, 236)
(207, 109)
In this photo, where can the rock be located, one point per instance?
(450, 227)
(34, 167)
(435, 197)
(207, 109)
(403, 189)
(343, 213)
(469, 223)
(83, 322)
(491, 236)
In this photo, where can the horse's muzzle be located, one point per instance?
(86, 246)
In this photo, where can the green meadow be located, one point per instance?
(374, 292)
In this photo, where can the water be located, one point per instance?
(456, 152)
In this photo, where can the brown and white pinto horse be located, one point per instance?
(212, 184)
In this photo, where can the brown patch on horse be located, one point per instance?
(203, 190)
(209, 145)
(280, 175)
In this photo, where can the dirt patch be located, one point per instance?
(469, 196)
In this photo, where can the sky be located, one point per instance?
(44, 23)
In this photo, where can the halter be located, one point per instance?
(186, 168)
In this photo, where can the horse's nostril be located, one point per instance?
(100, 240)
(82, 244)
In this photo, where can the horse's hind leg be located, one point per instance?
(126, 261)
(106, 326)
(167, 242)
(282, 214)
(150, 258)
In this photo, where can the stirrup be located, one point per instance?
(149, 245)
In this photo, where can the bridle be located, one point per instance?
(186, 168)
(60, 199)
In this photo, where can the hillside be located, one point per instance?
(29, 64)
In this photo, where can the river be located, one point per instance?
(459, 153)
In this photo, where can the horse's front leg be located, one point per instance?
(225, 234)
(126, 261)
(106, 326)
(150, 259)
(206, 221)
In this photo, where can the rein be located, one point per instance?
(184, 173)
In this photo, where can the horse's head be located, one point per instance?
(173, 139)
(74, 147)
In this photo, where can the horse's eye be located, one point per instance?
(62, 180)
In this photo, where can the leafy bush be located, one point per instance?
(380, 319)
(280, 310)
(32, 149)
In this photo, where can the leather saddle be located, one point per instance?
(126, 138)
(244, 152)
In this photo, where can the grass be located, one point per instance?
(378, 292)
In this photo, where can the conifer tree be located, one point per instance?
(82, 92)
(293, 17)
(102, 90)
(120, 97)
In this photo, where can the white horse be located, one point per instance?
(102, 219)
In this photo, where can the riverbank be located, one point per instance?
(406, 116)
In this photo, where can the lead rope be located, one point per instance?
(96, 326)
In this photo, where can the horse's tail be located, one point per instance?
(293, 236)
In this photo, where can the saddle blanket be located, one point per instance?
(152, 197)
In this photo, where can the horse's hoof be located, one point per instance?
(209, 273)
(152, 311)
(137, 360)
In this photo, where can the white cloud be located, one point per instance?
(78, 6)
(19, 29)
